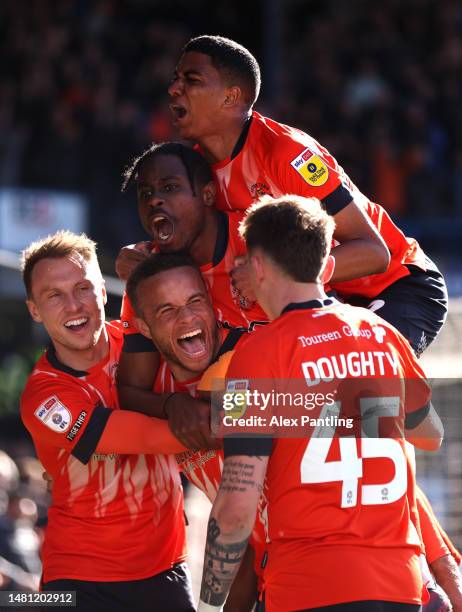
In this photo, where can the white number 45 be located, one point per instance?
(315, 468)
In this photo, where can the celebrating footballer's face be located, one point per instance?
(177, 314)
(197, 94)
(68, 297)
(171, 210)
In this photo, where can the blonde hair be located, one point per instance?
(62, 244)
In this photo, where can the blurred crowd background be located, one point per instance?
(83, 90)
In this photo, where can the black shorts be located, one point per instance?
(171, 590)
(416, 305)
(367, 606)
(359, 606)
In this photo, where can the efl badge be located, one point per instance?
(54, 414)
(235, 398)
(311, 168)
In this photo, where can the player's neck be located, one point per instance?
(220, 145)
(83, 360)
(203, 248)
(181, 374)
(292, 293)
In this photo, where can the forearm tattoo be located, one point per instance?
(220, 565)
(224, 552)
(239, 476)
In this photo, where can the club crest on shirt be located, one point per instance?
(54, 414)
(240, 300)
(259, 189)
(311, 168)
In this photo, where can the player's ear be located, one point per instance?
(256, 262)
(33, 310)
(233, 96)
(209, 193)
(328, 270)
(104, 292)
(143, 328)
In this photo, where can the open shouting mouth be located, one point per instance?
(193, 343)
(162, 228)
(178, 112)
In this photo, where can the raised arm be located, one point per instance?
(130, 433)
(424, 429)
(362, 250)
(230, 525)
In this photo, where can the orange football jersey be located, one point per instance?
(204, 468)
(436, 541)
(277, 159)
(230, 309)
(341, 509)
(112, 517)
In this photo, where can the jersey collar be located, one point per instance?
(237, 147)
(54, 361)
(242, 138)
(58, 365)
(231, 339)
(221, 243)
(309, 305)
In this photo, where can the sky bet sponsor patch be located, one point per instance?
(54, 414)
(234, 400)
(311, 168)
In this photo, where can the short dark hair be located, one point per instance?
(233, 61)
(295, 232)
(152, 265)
(197, 167)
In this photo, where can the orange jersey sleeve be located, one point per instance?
(215, 374)
(58, 414)
(436, 541)
(134, 341)
(311, 171)
(128, 432)
(127, 316)
(417, 396)
(277, 159)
